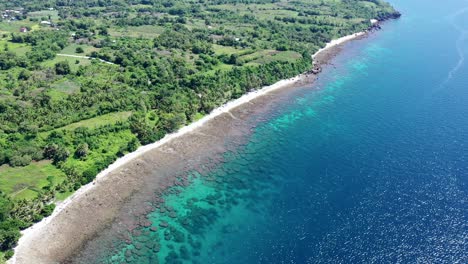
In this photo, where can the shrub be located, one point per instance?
(60, 155)
(133, 145)
(17, 161)
(8, 238)
(62, 68)
(89, 175)
(82, 150)
(50, 150)
(47, 209)
(37, 218)
(8, 254)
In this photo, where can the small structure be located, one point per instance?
(23, 30)
(48, 23)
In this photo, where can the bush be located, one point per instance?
(17, 161)
(5, 207)
(82, 150)
(33, 151)
(47, 210)
(89, 175)
(62, 68)
(3, 157)
(133, 145)
(13, 224)
(50, 150)
(37, 218)
(79, 50)
(122, 151)
(8, 238)
(8, 254)
(60, 155)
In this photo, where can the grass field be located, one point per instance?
(25, 182)
(228, 50)
(72, 61)
(15, 26)
(269, 56)
(221, 67)
(66, 86)
(71, 49)
(107, 119)
(44, 14)
(261, 11)
(146, 31)
(63, 88)
(17, 48)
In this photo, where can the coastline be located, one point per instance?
(336, 42)
(31, 235)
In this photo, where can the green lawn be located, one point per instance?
(25, 182)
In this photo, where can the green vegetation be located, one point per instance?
(27, 182)
(103, 120)
(169, 62)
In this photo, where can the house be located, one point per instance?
(23, 30)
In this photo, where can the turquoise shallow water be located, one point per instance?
(371, 167)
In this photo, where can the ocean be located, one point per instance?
(370, 165)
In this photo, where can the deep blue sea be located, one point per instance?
(371, 167)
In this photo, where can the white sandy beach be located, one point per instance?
(30, 233)
(338, 42)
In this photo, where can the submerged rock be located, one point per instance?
(156, 248)
(138, 246)
(184, 253)
(172, 215)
